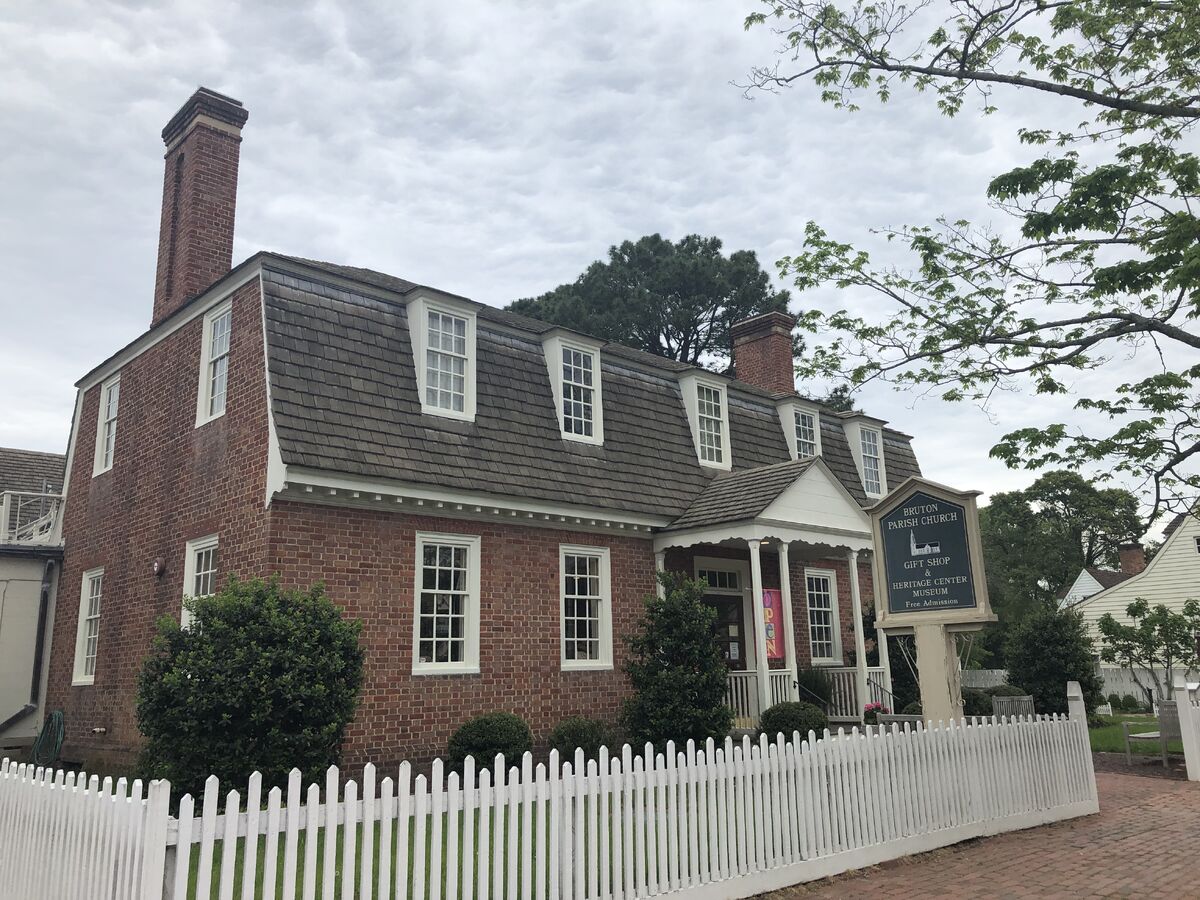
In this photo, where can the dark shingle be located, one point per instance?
(741, 495)
(31, 470)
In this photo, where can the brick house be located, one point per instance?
(489, 494)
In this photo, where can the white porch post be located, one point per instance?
(860, 645)
(789, 632)
(760, 633)
(660, 566)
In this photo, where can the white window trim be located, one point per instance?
(854, 430)
(98, 466)
(605, 661)
(77, 675)
(203, 385)
(689, 383)
(837, 658)
(553, 346)
(788, 410)
(418, 326)
(470, 663)
(191, 550)
(878, 433)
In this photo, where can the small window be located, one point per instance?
(214, 365)
(711, 424)
(87, 642)
(806, 434)
(106, 431)
(586, 602)
(720, 579)
(446, 637)
(199, 572)
(872, 463)
(577, 392)
(446, 362)
(821, 598)
(1198, 544)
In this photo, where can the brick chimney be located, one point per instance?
(1133, 558)
(762, 352)
(195, 239)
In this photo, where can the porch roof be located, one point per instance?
(740, 495)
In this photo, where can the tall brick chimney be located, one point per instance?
(762, 351)
(1133, 558)
(195, 239)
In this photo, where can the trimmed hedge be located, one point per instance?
(1006, 690)
(976, 703)
(487, 735)
(580, 732)
(789, 717)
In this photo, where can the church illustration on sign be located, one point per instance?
(924, 548)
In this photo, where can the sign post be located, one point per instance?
(930, 582)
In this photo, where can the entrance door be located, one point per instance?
(730, 629)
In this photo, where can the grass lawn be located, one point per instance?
(1111, 738)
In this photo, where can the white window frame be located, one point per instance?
(877, 434)
(854, 426)
(790, 411)
(207, 361)
(690, 384)
(418, 329)
(80, 675)
(605, 660)
(100, 464)
(836, 658)
(470, 662)
(554, 345)
(192, 549)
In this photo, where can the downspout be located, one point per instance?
(35, 683)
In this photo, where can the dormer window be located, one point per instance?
(707, 405)
(806, 433)
(573, 363)
(443, 338)
(801, 425)
(872, 462)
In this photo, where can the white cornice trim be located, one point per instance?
(311, 486)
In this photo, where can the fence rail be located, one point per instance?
(714, 821)
(28, 517)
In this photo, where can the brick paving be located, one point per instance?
(1131, 849)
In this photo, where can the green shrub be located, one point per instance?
(262, 680)
(789, 717)
(976, 703)
(815, 686)
(1095, 720)
(485, 736)
(1046, 649)
(912, 709)
(1129, 703)
(1115, 701)
(1007, 690)
(676, 669)
(580, 732)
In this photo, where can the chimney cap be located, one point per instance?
(205, 102)
(763, 324)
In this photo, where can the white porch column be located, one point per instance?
(660, 566)
(760, 632)
(789, 631)
(860, 644)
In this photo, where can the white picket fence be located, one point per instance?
(1187, 704)
(716, 821)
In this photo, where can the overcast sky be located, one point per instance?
(489, 149)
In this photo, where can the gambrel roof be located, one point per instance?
(344, 399)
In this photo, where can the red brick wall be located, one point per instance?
(366, 559)
(169, 482)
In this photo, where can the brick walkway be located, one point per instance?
(1131, 849)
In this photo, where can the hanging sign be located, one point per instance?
(929, 560)
(773, 616)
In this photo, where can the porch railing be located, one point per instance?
(741, 693)
(31, 518)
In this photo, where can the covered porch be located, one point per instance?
(781, 549)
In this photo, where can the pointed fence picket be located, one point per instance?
(715, 820)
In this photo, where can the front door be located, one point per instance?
(730, 629)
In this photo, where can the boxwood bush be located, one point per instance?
(1005, 690)
(790, 717)
(485, 736)
(976, 703)
(580, 732)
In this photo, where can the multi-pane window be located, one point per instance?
(200, 572)
(90, 601)
(578, 392)
(443, 603)
(106, 441)
(821, 618)
(711, 425)
(872, 480)
(806, 434)
(217, 371)
(586, 633)
(446, 361)
(720, 579)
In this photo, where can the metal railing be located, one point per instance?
(30, 518)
